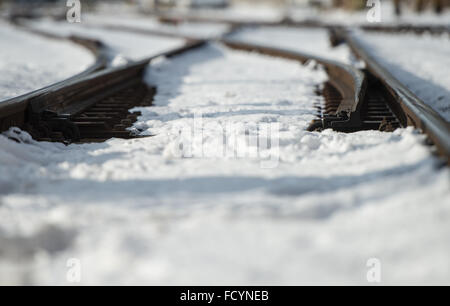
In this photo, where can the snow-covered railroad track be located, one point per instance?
(87, 107)
(408, 107)
(434, 29)
(154, 213)
(103, 58)
(346, 84)
(354, 100)
(97, 107)
(369, 100)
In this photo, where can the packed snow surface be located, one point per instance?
(123, 44)
(29, 62)
(419, 62)
(207, 200)
(314, 41)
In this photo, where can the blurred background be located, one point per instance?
(397, 7)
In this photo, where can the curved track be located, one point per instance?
(96, 47)
(414, 111)
(369, 99)
(91, 107)
(94, 105)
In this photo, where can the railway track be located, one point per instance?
(311, 23)
(85, 108)
(353, 100)
(369, 99)
(96, 106)
(409, 108)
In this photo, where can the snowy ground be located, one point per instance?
(123, 44)
(309, 40)
(253, 12)
(29, 62)
(195, 30)
(169, 209)
(407, 57)
(266, 13)
(422, 74)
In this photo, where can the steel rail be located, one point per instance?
(418, 113)
(408, 28)
(59, 102)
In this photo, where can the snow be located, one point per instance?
(420, 73)
(407, 57)
(202, 30)
(313, 41)
(312, 208)
(248, 12)
(387, 16)
(29, 62)
(123, 44)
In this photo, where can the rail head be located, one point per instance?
(419, 114)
